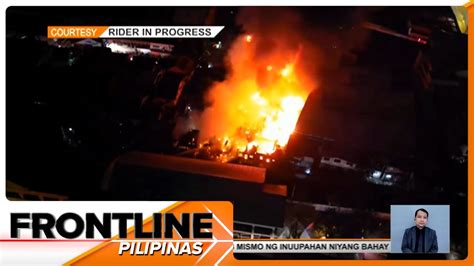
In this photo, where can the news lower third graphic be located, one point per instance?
(74, 32)
(312, 246)
(188, 232)
(185, 231)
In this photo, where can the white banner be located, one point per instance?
(312, 246)
(162, 32)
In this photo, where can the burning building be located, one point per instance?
(256, 108)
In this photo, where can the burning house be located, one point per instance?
(256, 109)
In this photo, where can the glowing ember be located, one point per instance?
(287, 70)
(248, 38)
(256, 108)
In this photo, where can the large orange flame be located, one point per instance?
(258, 105)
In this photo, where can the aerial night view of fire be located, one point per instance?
(312, 121)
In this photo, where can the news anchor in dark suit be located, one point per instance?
(420, 238)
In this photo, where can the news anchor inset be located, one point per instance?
(420, 238)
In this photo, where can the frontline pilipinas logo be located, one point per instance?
(191, 232)
(164, 225)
